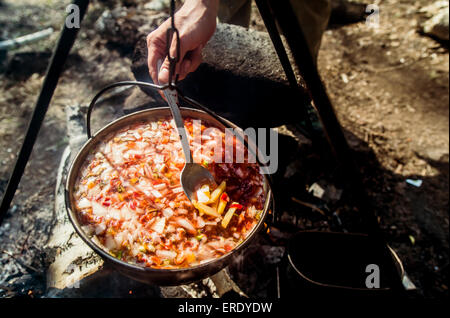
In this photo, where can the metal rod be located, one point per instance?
(172, 98)
(13, 43)
(54, 70)
(272, 29)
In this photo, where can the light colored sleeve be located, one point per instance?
(236, 12)
(313, 16)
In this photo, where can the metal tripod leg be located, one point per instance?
(65, 42)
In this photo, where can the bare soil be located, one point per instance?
(390, 89)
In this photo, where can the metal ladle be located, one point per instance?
(193, 174)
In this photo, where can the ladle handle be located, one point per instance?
(172, 99)
(171, 96)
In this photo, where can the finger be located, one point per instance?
(191, 62)
(156, 46)
(163, 76)
(196, 58)
(163, 72)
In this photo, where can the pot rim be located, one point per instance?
(91, 142)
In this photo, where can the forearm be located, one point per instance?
(196, 22)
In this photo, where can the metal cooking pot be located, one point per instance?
(334, 264)
(144, 274)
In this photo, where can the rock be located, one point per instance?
(438, 154)
(138, 100)
(122, 27)
(240, 78)
(245, 52)
(438, 24)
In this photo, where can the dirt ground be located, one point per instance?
(389, 87)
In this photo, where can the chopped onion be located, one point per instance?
(84, 203)
(166, 254)
(159, 159)
(98, 209)
(200, 222)
(110, 244)
(160, 186)
(156, 194)
(148, 134)
(177, 190)
(87, 229)
(100, 228)
(136, 135)
(159, 225)
(168, 212)
(187, 225)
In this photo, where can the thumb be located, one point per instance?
(163, 72)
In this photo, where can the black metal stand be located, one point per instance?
(65, 43)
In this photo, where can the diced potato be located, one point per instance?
(204, 209)
(216, 206)
(203, 194)
(228, 216)
(217, 192)
(221, 206)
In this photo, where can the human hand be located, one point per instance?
(196, 23)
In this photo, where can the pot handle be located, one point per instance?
(111, 86)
